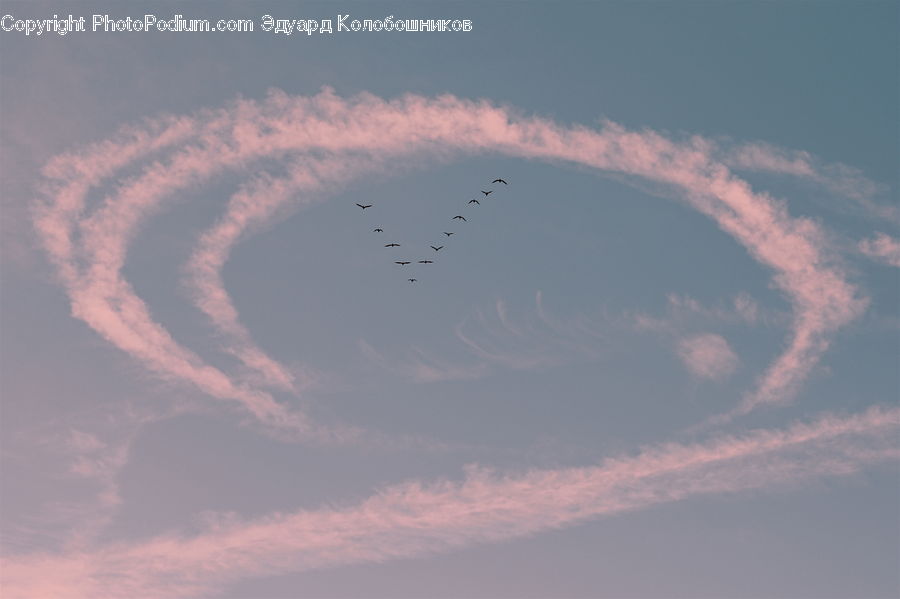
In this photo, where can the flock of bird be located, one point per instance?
(436, 248)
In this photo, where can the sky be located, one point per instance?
(659, 361)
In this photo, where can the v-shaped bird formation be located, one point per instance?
(436, 248)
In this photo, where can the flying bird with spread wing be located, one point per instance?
(426, 261)
(475, 202)
(392, 245)
(448, 234)
(487, 193)
(458, 217)
(437, 249)
(499, 181)
(401, 263)
(378, 230)
(412, 280)
(364, 206)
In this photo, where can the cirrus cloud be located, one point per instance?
(882, 248)
(89, 246)
(708, 356)
(416, 518)
(96, 199)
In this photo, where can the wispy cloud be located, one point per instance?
(258, 203)
(82, 457)
(683, 312)
(882, 248)
(419, 366)
(499, 339)
(89, 250)
(532, 340)
(708, 356)
(760, 156)
(89, 246)
(416, 518)
(841, 180)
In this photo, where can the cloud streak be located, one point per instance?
(531, 342)
(845, 182)
(497, 339)
(258, 203)
(89, 246)
(416, 519)
(882, 248)
(81, 456)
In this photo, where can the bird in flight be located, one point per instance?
(436, 248)
(364, 206)
(447, 234)
(475, 202)
(392, 245)
(426, 261)
(499, 181)
(487, 193)
(401, 263)
(377, 230)
(458, 217)
(411, 280)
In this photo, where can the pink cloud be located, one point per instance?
(89, 247)
(420, 367)
(415, 518)
(80, 457)
(882, 248)
(535, 341)
(746, 307)
(257, 203)
(844, 181)
(682, 308)
(708, 356)
(766, 157)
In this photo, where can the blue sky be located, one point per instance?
(661, 362)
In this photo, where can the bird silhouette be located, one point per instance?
(412, 280)
(378, 230)
(364, 207)
(447, 234)
(392, 245)
(401, 263)
(458, 217)
(438, 248)
(475, 202)
(487, 193)
(426, 261)
(499, 181)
